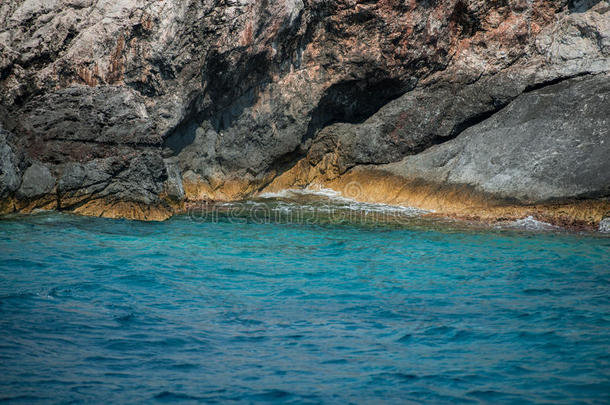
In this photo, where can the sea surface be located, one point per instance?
(300, 299)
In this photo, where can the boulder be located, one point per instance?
(37, 181)
(549, 144)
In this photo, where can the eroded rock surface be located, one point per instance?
(10, 173)
(131, 108)
(548, 144)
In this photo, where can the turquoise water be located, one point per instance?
(213, 309)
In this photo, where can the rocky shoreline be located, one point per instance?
(477, 110)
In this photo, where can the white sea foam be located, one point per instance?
(337, 201)
(278, 194)
(604, 225)
(531, 224)
(317, 191)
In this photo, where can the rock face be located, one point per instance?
(129, 109)
(546, 145)
(37, 181)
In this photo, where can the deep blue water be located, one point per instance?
(108, 311)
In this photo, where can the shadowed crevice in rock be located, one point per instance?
(463, 126)
(231, 88)
(184, 133)
(463, 21)
(350, 102)
(538, 86)
(354, 101)
(233, 80)
(5, 72)
(580, 6)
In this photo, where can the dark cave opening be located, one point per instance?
(353, 101)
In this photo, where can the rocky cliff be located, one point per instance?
(486, 109)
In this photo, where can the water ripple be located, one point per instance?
(203, 311)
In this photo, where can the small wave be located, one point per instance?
(125, 318)
(338, 201)
(278, 194)
(185, 366)
(487, 395)
(530, 224)
(335, 361)
(292, 192)
(271, 395)
(537, 291)
(294, 337)
(250, 339)
(175, 396)
(439, 330)
(394, 377)
(23, 399)
(18, 295)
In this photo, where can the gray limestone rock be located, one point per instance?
(549, 144)
(173, 184)
(10, 175)
(37, 181)
(134, 178)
